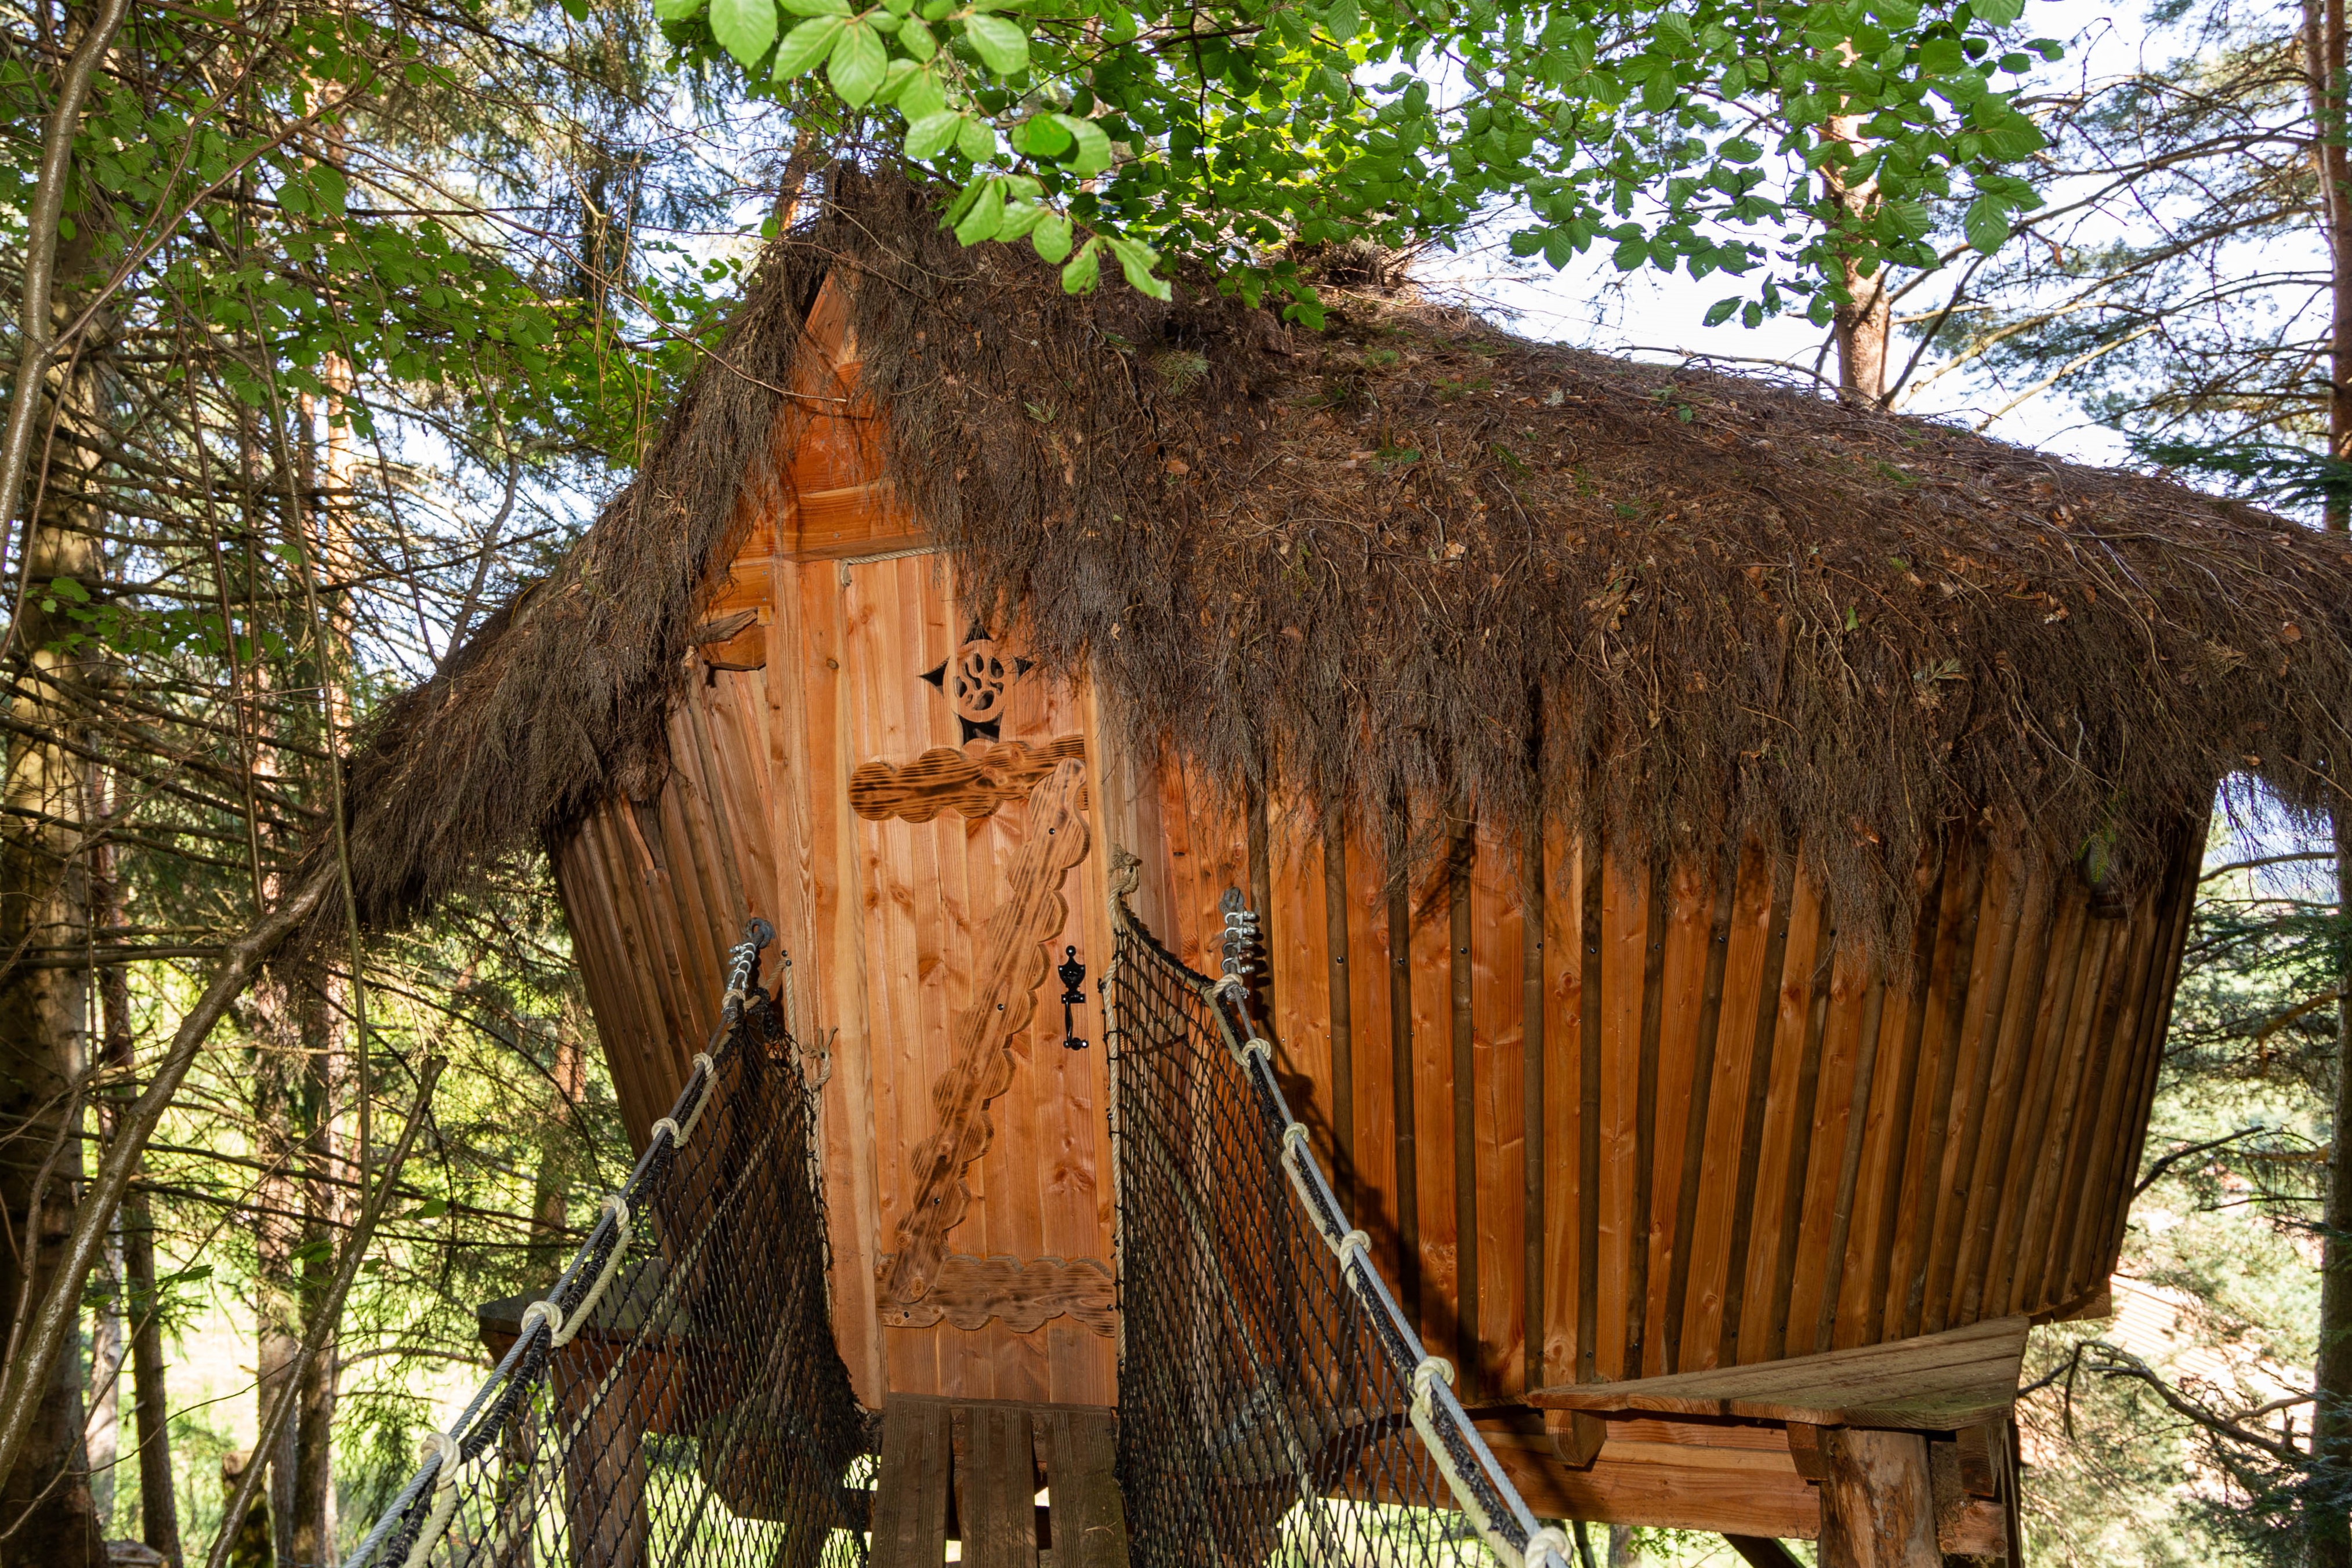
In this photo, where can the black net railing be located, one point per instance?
(676, 1398)
(1274, 1404)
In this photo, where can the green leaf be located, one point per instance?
(1003, 47)
(1020, 218)
(1084, 269)
(921, 95)
(817, 7)
(806, 46)
(1986, 225)
(678, 10)
(1344, 20)
(986, 213)
(1912, 219)
(859, 62)
(1720, 311)
(895, 81)
(1093, 155)
(1137, 260)
(1050, 238)
(1996, 13)
(916, 39)
(933, 133)
(976, 139)
(1040, 137)
(744, 28)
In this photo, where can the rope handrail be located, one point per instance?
(1480, 1488)
(586, 1422)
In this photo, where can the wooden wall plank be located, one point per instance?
(1534, 1014)
(1845, 1014)
(838, 924)
(1339, 1004)
(1757, 1325)
(1751, 969)
(1706, 1028)
(2046, 1052)
(1431, 974)
(1498, 992)
(1624, 963)
(1565, 1178)
(1404, 1087)
(1945, 1014)
(1461, 914)
(1989, 1185)
(1989, 999)
(1372, 1201)
(1686, 924)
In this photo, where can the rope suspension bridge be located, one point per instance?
(676, 1399)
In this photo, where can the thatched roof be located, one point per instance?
(1414, 561)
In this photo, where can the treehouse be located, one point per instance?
(1721, 859)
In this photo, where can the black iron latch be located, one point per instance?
(1073, 974)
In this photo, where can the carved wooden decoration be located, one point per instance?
(969, 1292)
(1013, 956)
(975, 780)
(975, 680)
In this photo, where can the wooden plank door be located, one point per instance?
(964, 776)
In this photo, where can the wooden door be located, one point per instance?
(952, 779)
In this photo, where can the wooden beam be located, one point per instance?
(1878, 1509)
(1935, 1382)
(1763, 1552)
(1688, 1476)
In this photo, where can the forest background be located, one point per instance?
(337, 320)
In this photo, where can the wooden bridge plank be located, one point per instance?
(999, 1490)
(911, 1499)
(1088, 1529)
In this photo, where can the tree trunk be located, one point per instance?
(2327, 1518)
(159, 1511)
(551, 1187)
(102, 1430)
(44, 1007)
(103, 1426)
(1860, 323)
(312, 1502)
(277, 1322)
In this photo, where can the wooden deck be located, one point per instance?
(1001, 1485)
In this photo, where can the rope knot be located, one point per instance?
(1549, 1544)
(1432, 1367)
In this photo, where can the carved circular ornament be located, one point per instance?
(976, 686)
(975, 681)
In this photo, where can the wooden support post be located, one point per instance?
(1878, 1509)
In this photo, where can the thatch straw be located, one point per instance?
(1413, 565)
